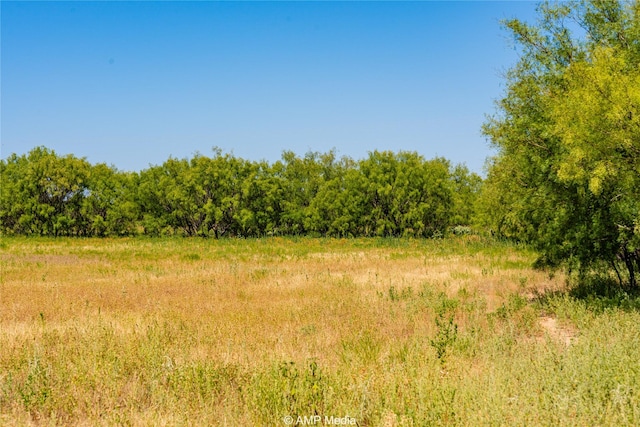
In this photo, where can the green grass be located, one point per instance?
(247, 332)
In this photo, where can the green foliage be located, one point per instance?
(301, 180)
(396, 295)
(568, 138)
(446, 327)
(287, 390)
(387, 194)
(202, 196)
(393, 195)
(36, 389)
(110, 206)
(43, 194)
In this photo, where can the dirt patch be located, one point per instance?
(557, 332)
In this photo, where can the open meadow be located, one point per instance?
(275, 332)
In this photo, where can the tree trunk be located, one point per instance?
(615, 268)
(628, 260)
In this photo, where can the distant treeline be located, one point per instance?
(386, 194)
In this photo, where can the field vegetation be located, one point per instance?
(386, 291)
(174, 331)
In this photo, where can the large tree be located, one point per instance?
(109, 206)
(389, 194)
(567, 174)
(202, 196)
(42, 193)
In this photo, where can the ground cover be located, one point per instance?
(458, 331)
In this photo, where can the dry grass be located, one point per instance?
(244, 332)
(258, 298)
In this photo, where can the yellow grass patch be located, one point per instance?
(168, 331)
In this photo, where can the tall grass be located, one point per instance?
(249, 332)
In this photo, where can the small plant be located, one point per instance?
(513, 305)
(395, 295)
(487, 271)
(447, 328)
(313, 383)
(290, 393)
(36, 389)
(446, 335)
(523, 281)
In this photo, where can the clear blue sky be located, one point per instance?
(132, 83)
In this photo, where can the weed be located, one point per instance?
(446, 328)
(36, 390)
(290, 391)
(514, 304)
(395, 295)
(363, 349)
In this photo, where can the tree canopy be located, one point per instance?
(567, 174)
(386, 194)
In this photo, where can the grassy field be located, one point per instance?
(306, 332)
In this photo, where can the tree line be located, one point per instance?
(386, 194)
(565, 178)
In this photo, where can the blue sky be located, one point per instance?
(133, 83)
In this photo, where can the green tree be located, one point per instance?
(386, 194)
(42, 193)
(301, 180)
(466, 189)
(151, 200)
(202, 196)
(339, 206)
(568, 138)
(164, 198)
(260, 202)
(109, 205)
